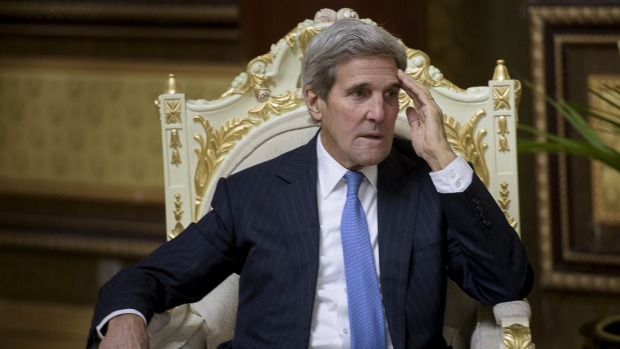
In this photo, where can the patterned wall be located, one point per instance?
(85, 129)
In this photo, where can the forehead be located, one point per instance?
(367, 70)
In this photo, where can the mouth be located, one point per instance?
(372, 136)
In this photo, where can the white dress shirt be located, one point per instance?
(330, 317)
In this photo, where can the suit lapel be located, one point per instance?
(396, 215)
(297, 200)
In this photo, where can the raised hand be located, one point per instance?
(428, 136)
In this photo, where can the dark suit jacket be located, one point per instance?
(264, 226)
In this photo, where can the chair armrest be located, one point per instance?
(503, 326)
(514, 321)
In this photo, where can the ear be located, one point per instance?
(313, 102)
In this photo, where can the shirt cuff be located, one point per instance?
(105, 320)
(454, 178)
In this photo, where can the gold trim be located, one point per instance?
(255, 77)
(501, 71)
(468, 144)
(504, 202)
(517, 337)
(175, 144)
(173, 111)
(502, 130)
(211, 151)
(219, 142)
(421, 70)
(301, 38)
(172, 85)
(501, 74)
(501, 98)
(178, 216)
(277, 105)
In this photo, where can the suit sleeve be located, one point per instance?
(182, 270)
(486, 256)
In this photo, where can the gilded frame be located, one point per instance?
(557, 33)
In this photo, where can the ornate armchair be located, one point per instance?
(263, 115)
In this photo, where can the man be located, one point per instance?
(284, 225)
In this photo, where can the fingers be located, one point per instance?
(417, 92)
(415, 121)
(424, 104)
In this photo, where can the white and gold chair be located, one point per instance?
(263, 115)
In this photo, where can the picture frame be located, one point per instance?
(574, 49)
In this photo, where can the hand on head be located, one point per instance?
(428, 136)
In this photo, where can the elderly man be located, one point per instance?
(345, 242)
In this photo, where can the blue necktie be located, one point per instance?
(363, 294)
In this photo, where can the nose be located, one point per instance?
(377, 108)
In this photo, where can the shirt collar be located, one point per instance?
(331, 172)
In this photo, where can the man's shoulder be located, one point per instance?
(303, 154)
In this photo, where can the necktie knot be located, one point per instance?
(354, 180)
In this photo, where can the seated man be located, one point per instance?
(345, 242)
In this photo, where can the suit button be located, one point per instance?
(486, 223)
(476, 201)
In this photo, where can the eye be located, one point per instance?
(360, 92)
(391, 94)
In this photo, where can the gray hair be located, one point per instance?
(344, 39)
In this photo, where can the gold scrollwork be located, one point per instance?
(501, 97)
(178, 215)
(301, 37)
(501, 74)
(173, 111)
(420, 69)
(518, 90)
(212, 149)
(517, 337)
(470, 146)
(504, 202)
(502, 130)
(255, 77)
(175, 144)
(219, 142)
(277, 105)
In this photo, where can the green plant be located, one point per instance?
(590, 144)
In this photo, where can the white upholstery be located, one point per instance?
(263, 115)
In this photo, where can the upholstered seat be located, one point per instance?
(263, 114)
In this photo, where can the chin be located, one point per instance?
(374, 160)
